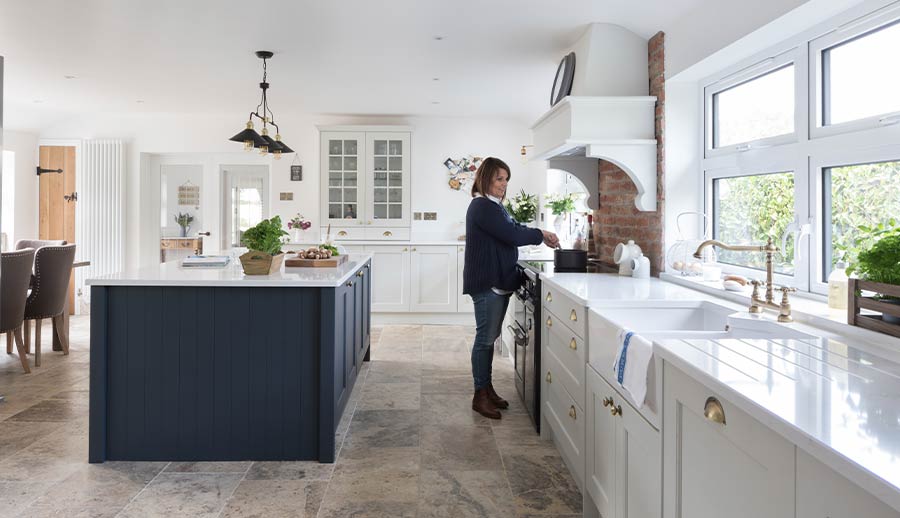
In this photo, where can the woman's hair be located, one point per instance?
(486, 173)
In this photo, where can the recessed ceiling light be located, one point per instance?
(435, 102)
(38, 101)
(140, 101)
(438, 38)
(435, 78)
(70, 77)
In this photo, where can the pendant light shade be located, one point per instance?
(262, 141)
(249, 137)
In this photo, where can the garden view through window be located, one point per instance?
(760, 108)
(749, 210)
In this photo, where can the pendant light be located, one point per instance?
(263, 142)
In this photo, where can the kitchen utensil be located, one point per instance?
(680, 257)
(640, 267)
(569, 260)
(623, 255)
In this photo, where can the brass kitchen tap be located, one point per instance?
(756, 303)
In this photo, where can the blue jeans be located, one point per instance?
(489, 311)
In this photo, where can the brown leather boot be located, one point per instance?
(498, 401)
(481, 403)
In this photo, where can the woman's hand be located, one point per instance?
(550, 239)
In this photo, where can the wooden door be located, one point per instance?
(56, 204)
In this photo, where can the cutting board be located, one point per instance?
(295, 262)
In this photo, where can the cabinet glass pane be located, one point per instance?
(395, 195)
(380, 147)
(334, 210)
(349, 211)
(350, 147)
(396, 179)
(334, 195)
(350, 179)
(334, 147)
(380, 179)
(334, 179)
(395, 163)
(349, 194)
(380, 163)
(380, 211)
(380, 195)
(350, 163)
(396, 211)
(334, 163)
(396, 147)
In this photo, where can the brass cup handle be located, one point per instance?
(572, 413)
(387, 233)
(549, 297)
(607, 401)
(573, 316)
(573, 345)
(549, 378)
(549, 322)
(714, 411)
(616, 410)
(342, 233)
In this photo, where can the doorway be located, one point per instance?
(245, 201)
(57, 199)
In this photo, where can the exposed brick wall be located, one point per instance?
(618, 219)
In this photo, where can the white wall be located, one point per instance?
(24, 182)
(433, 140)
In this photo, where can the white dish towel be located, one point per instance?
(632, 359)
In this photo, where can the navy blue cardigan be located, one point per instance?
(492, 241)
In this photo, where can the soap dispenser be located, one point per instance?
(837, 286)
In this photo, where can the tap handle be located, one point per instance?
(784, 293)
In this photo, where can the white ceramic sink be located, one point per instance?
(674, 316)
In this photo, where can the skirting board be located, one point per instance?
(437, 319)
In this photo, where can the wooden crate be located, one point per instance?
(261, 263)
(857, 302)
(332, 262)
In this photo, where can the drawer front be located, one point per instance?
(344, 233)
(567, 420)
(568, 351)
(387, 233)
(573, 313)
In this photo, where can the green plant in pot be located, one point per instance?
(881, 263)
(523, 207)
(264, 243)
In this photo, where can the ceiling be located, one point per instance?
(496, 58)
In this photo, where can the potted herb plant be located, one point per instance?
(184, 220)
(264, 242)
(880, 263)
(523, 207)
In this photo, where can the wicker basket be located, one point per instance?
(874, 322)
(261, 263)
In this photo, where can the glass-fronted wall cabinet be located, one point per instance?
(366, 183)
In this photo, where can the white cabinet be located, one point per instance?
(623, 471)
(738, 468)
(824, 493)
(365, 183)
(390, 278)
(463, 302)
(433, 279)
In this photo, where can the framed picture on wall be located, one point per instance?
(296, 173)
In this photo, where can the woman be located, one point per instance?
(490, 275)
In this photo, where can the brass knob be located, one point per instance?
(549, 378)
(342, 233)
(572, 412)
(414, 249)
(616, 410)
(713, 410)
(359, 273)
(607, 401)
(405, 249)
(573, 316)
(549, 322)
(369, 222)
(349, 284)
(387, 233)
(572, 344)
(549, 297)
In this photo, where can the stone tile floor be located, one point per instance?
(410, 447)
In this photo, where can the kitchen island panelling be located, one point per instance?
(213, 365)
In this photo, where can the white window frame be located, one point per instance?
(745, 75)
(851, 30)
(228, 177)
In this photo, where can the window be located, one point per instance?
(854, 196)
(760, 108)
(859, 79)
(246, 195)
(749, 210)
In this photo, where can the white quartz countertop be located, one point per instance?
(173, 274)
(381, 242)
(836, 397)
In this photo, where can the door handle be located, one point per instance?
(607, 401)
(714, 411)
(549, 378)
(203, 234)
(573, 316)
(549, 297)
(342, 233)
(572, 413)
(549, 322)
(573, 344)
(387, 233)
(616, 410)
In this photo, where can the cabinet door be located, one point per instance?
(388, 174)
(351, 325)
(390, 278)
(433, 279)
(601, 443)
(367, 309)
(739, 469)
(638, 464)
(342, 158)
(463, 302)
(823, 492)
(342, 382)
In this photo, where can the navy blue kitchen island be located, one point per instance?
(212, 365)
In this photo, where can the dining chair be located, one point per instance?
(52, 271)
(16, 268)
(38, 243)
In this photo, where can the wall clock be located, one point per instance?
(562, 83)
